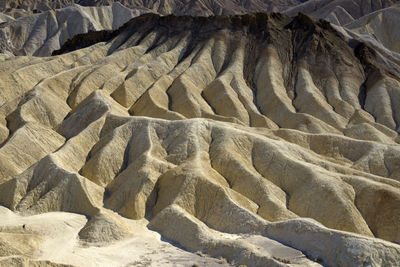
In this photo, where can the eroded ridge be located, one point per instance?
(223, 132)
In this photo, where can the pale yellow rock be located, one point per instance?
(218, 138)
(104, 227)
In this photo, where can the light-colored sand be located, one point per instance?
(59, 243)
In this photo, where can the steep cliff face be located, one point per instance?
(223, 132)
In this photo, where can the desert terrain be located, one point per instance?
(132, 135)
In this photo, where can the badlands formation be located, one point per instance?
(164, 7)
(340, 12)
(41, 34)
(379, 27)
(37, 27)
(258, 140)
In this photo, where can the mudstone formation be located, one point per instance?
(264, 139)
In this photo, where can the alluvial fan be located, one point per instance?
(226, 133)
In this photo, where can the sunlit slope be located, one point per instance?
(256, 124)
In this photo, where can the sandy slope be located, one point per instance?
(54, 237)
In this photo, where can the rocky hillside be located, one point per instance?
(336, 11)
(340, 12)
(41, 34)
(226, 134)
(379, 27)
(182, 7)
(38, 27)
